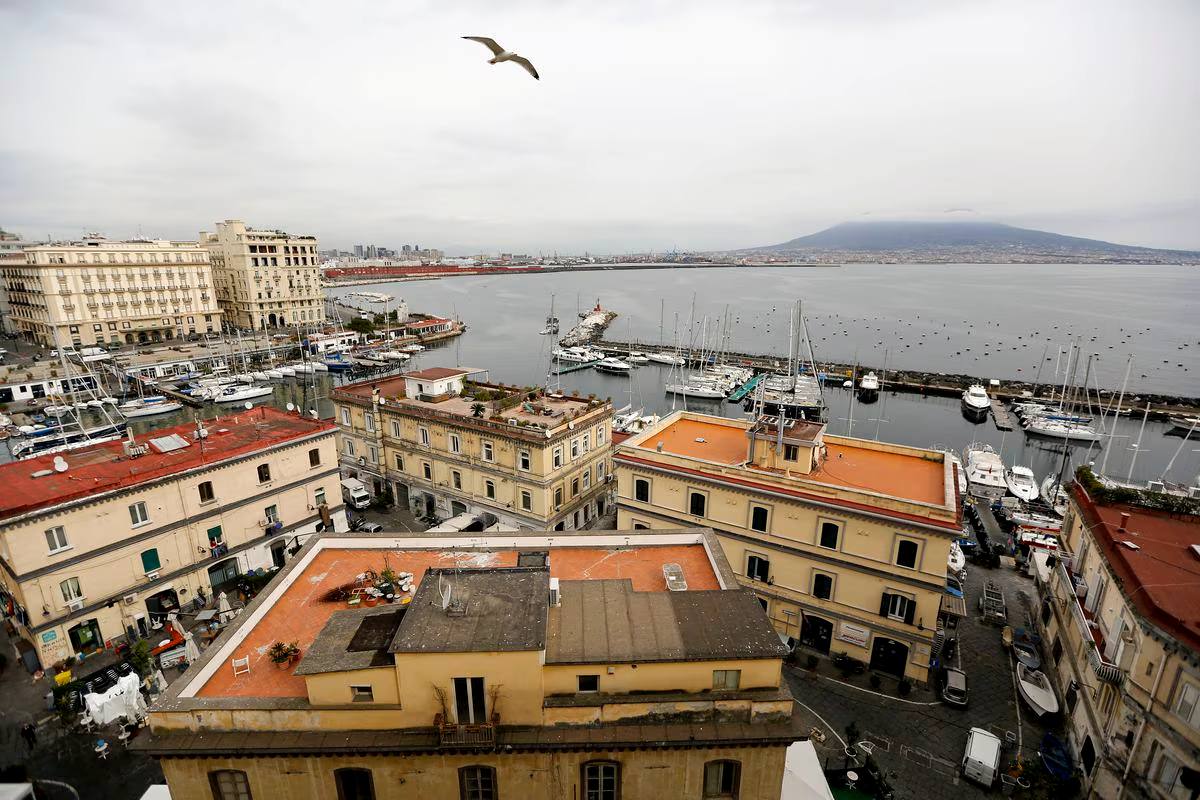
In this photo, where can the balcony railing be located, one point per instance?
(481, 735)
(1105, 670)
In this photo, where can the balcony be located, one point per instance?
(451, 735)
(1089, 629)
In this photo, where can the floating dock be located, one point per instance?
(1001, 416)
(563, 369)
(746, 388)
(991, 527)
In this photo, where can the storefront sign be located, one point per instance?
(854, 634)
(49, 636)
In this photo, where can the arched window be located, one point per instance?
(722, 780)
(477, 782)
(354, 783)
(601, 780)
(229, 784)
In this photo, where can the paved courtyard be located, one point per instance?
(919, 741)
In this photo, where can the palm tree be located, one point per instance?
(477, 409)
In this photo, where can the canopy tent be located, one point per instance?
(122, 700)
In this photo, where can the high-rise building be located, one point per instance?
(265, 278)
(358, 251)
(100, 291)
(12, 254)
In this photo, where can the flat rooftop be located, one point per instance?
(309, 592)
(904, 473)
(105, 467)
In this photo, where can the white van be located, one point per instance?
(981, 761)
(355, 493)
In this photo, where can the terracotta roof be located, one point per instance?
(1161, 578)
(105, 467)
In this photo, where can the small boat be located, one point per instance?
(236, 394)
(985, 472)
(57, 440)
(149, 406)
(635, 357)
(975, 401)
(1027, 654)
(1185, 426)
(702, 389)
(956, 562)
(412, 348)
(868, 388)
(287, 371)
(613, 366)
(260, 376)
(1054, 494)
(56, 411)
(94, 404)
(1056, 758)
(1036, 691)
(1021, 483)
(274, 374)
(111, 401)
(337, 362)
(1061, 429)
(82, 405)
(670, 359)
(577, 355)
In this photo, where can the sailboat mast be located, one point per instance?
(1138, 447)
(1117, 413)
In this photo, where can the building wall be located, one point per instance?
(105, 548)
(333, 688)
(645, 774)
(684, 676)
(265, 278)
(109, 292)
(863, 566)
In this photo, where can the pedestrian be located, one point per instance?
(29, 734)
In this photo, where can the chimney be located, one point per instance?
(1124, 522)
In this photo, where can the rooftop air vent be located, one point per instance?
(1195, 548)
(1131, 545)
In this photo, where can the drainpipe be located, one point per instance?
(1137, 739)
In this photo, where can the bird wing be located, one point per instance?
(524, 62)
(490, 44)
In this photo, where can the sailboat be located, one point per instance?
(551, 328)
(662, 356)
(149, 406)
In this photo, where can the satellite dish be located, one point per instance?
(60, 464)
(291, 407)
(249, 405)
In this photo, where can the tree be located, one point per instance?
(477, 409)
(361, 325)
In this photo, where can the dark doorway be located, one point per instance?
(470, 703)
(279, 552)
(271, 320)
(1087, 756)
(889, 656)
(816, 633)
(457, 508)
(430, 505)
(85, 637)
(160, 605)
(224, 573)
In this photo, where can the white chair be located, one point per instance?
(241, 666)
(101, 749)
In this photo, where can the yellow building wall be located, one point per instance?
(688, 676)
(333, 688)
(645, 774)
(515, 678)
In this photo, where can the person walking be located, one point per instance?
(29, 734)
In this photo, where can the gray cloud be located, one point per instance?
(702, 124)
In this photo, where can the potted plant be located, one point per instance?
(282, 654)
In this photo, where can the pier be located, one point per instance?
(1001, 416)
(563, 369)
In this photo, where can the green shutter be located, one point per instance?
(150, 562)
(214, 534)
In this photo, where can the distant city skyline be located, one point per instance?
(701, 129)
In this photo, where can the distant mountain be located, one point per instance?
(964, 240)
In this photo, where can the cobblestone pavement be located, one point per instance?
(918, 741)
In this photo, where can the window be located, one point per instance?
(587, 442)
(456, 479)
(487, 452)
(206, 492)
(427, 470)
(319, 496)
(1187, 706)
(758, 568)
(349, 447)
(424, 433)
(264, 473)
(373, 453)
(399, 462)
(70, 590)
(470, 702)
(229, 784)
(588, 683)
(1167, 774)
(599, 471)
(314, 457)
(822, 587)
(557, 496)
(758, 518)
(791, 452)
(56, 539)
(272, 514)
(396, 429)
(362, 694)
(574, 449)
(587, 479)
(727, 678)
(696, 503)
(721, 780)
(137, 514)
(345, 412)
(558, 454)
(455, 443)
(897, 607)
(526, 501)
(477, 783)
(641, 490)
(150, 561)
(906, 554)
(523, 460)
(601, 780)
(214, 534)
(600, 436)
(574, 487)
(830, 531)
(489, 489)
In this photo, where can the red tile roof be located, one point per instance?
(1161, 578)
(105, 467)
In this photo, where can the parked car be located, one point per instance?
(953, 687)
(370, 527)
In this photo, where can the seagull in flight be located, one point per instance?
(500, 54)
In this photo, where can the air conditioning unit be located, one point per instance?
(555, 595)
(75, 605)
(129, 599)
(151, 576)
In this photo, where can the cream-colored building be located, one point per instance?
(845, 541)
(453, 448)
(99, 291)
(265, 278)
(1119, 624)
(541, 665)
(124, 535)
(12, 254)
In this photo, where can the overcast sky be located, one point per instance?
(675, 124)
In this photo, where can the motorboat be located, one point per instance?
(577, 355)
(149, 406)
(274, 375)
(1059, 429)
(337, 362)
(260, 376)
(236, 394)
(287, 371)
(1027, 654)
(412, 348)
(956, 562)
(395, 355)
(1036, 691)
(703, 389)
(670, 359)
(868, 388)
(975, 400)
(637, 358)
(613, 366)
(1021, 483)
(1185, 426)
(57, 411)
(985, 472)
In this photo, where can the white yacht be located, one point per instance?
(613, 366)
(670, 359)
(1055, 494)
(577, 355)
(637, 358)
(149, 406)
(1061, 429)
(975, 400)
(985, 472)
(237, 394)
(868, 388)
(698, 387)
(1021, 483)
